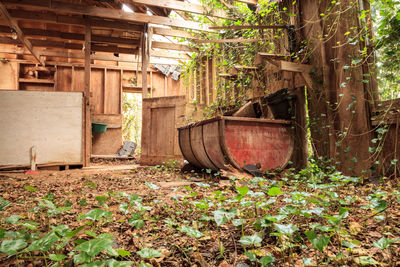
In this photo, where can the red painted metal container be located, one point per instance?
(222, 141)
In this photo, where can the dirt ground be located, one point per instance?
(170, 200)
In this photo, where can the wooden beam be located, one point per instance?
(56, 6)
(102, 57)
(88, 126)
(182, 6)
(258, 59)
(146, 42)
(246, 27)
(228, 41)
(73, 36)
(175, 33)
(20, 34)
(172, 46)
(71, 46)
(74, 20)
(294, 67)
(251, 2)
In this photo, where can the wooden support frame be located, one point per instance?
(20, 34)
(92, 11)
(88, 126)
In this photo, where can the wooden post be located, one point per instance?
(145, 58)
(86, 96)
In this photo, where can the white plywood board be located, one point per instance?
(50, 121)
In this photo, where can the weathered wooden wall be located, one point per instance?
(107, 85)
(50, 121)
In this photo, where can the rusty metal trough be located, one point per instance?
(222, 141)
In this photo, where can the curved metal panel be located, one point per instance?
(212, 144)
(267, 144)
(186, 148)
(196, 141)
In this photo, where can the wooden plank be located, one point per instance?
(182, 6)
(259, 57)
(56, 6)
(251, 2)
(20, 34)
(73, 36)
(238, 40)
(88, 127)
(112, 92)
(50, 121)
(9, 73)
(172, 46)
(70, 46)
(245, 27)
(145, 60)
(74, 20)
(294, 67)
(175, 33)
(22, 80)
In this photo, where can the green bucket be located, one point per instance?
(98, 127)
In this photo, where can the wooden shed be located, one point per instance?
(65, 64)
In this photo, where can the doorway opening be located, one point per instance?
(132, 119)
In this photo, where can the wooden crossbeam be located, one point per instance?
(73, 36)
(71, 46)
(182, 6)
(228, 41)
(74, 20)
(174, 33)
(56, 6)
(102, 57)
(20, 34)
(172, 46)
(246, 27)
(251, 2)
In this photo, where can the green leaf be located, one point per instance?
(96, 214)
(124, 207)
(190, 231)
(123, 253)
(382, 243)
(286, 229)
(114, 263)
(379, 204)
(366, 261)
(238, 222)
(101, 200)
(152, 186)
(13, 219)
(11, 247)
(252, 257)
(136, 220)
(274, 191)
(44, 243)
(221, 216)
(95, 246)
(242, 190)
(351, 244)
(148, 253)
(253, 240)
(82, 257)
(30, 188)
(319, 242)
(83, 202)
(4, 204)
(267, 260)
(142, 264)
(57, 257)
